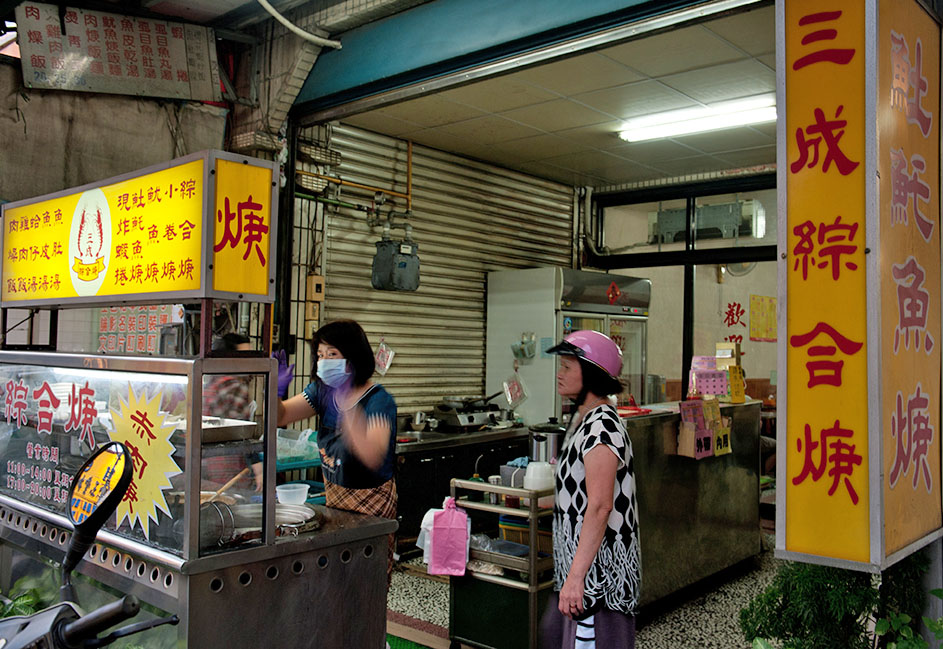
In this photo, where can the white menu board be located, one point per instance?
(95, 51)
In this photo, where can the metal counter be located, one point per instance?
(696, 517)
(311, 590)
(427, 441)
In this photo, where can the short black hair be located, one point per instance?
(230, 342)
(597, 381)
(351, 341)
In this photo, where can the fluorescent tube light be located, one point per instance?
(741, 112)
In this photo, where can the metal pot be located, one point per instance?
(545, 440)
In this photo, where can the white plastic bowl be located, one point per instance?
(292, 494)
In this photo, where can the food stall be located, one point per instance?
(237, 568)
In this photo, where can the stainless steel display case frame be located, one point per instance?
(309, 575)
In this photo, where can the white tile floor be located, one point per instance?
(705, 616)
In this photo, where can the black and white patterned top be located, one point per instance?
(614, 579)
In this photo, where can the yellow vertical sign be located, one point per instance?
(908, 107)
(827, 498)
(243, 228)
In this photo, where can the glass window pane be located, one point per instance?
(232, 444)
(60, 413)
(662, 347)
(735, 220)
(645, 227)
(739, 308)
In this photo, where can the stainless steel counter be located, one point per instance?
(696, 517)
(426, 441)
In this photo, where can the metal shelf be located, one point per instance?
(532, 565)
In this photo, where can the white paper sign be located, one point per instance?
(95, 51)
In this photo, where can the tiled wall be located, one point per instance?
(77, 330)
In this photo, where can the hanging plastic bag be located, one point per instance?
(384, 357)
(514, 390)
(449, 543)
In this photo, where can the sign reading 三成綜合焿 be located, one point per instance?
(827, 464)
(157, 234)
(95, 51)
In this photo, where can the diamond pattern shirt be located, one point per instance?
(614, 579)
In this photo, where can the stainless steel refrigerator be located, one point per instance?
(548, 303)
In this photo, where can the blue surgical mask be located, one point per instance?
(333, 372)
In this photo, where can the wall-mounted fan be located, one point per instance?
(740, 268)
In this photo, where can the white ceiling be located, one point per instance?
(559, 120)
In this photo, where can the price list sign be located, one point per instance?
(95, 51)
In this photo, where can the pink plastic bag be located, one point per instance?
(449, 543)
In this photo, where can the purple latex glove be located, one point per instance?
(286, 372)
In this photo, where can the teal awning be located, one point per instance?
(446, 36)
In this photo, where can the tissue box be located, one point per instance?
(512, 476)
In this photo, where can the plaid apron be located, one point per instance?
(378, 501)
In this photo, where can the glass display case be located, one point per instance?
(59, 407)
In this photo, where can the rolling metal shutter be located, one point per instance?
(468, 218)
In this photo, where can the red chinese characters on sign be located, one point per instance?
(734, 315)
(904, 186)
(131, 496)
(913, 305)
(242, 226)
(822, 33)
(834, 240)
(46, 404)
(137, 460)
(908, 85)
(829, 131)
(825, 372)
(835, 455)
(143, 426)
(914, 435)
(14, 406)
(83, 413)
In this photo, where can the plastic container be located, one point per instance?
(539, 476)
(293, 493)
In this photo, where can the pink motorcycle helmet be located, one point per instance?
(594, 347)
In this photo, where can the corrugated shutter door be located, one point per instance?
(468, 218)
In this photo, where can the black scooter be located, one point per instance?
(98, 487)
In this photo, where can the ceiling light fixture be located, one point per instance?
(728, 114)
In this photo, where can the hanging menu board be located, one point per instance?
(94, 51)
(199, 226)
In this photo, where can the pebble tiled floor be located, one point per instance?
(705, 616)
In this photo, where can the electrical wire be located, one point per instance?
(308, 36)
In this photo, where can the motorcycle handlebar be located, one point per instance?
(89, 626)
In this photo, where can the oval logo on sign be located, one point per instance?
(90, 242)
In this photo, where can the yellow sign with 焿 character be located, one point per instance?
(241, 259)
(908, 111)
(145, 235)
(825, 490)
(140, 427)
(140, 235)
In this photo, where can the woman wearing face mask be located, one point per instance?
(596, 557)
(357, 423)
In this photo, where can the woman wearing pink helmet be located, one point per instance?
(596, 556)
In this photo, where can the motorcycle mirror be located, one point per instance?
(97, 488)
